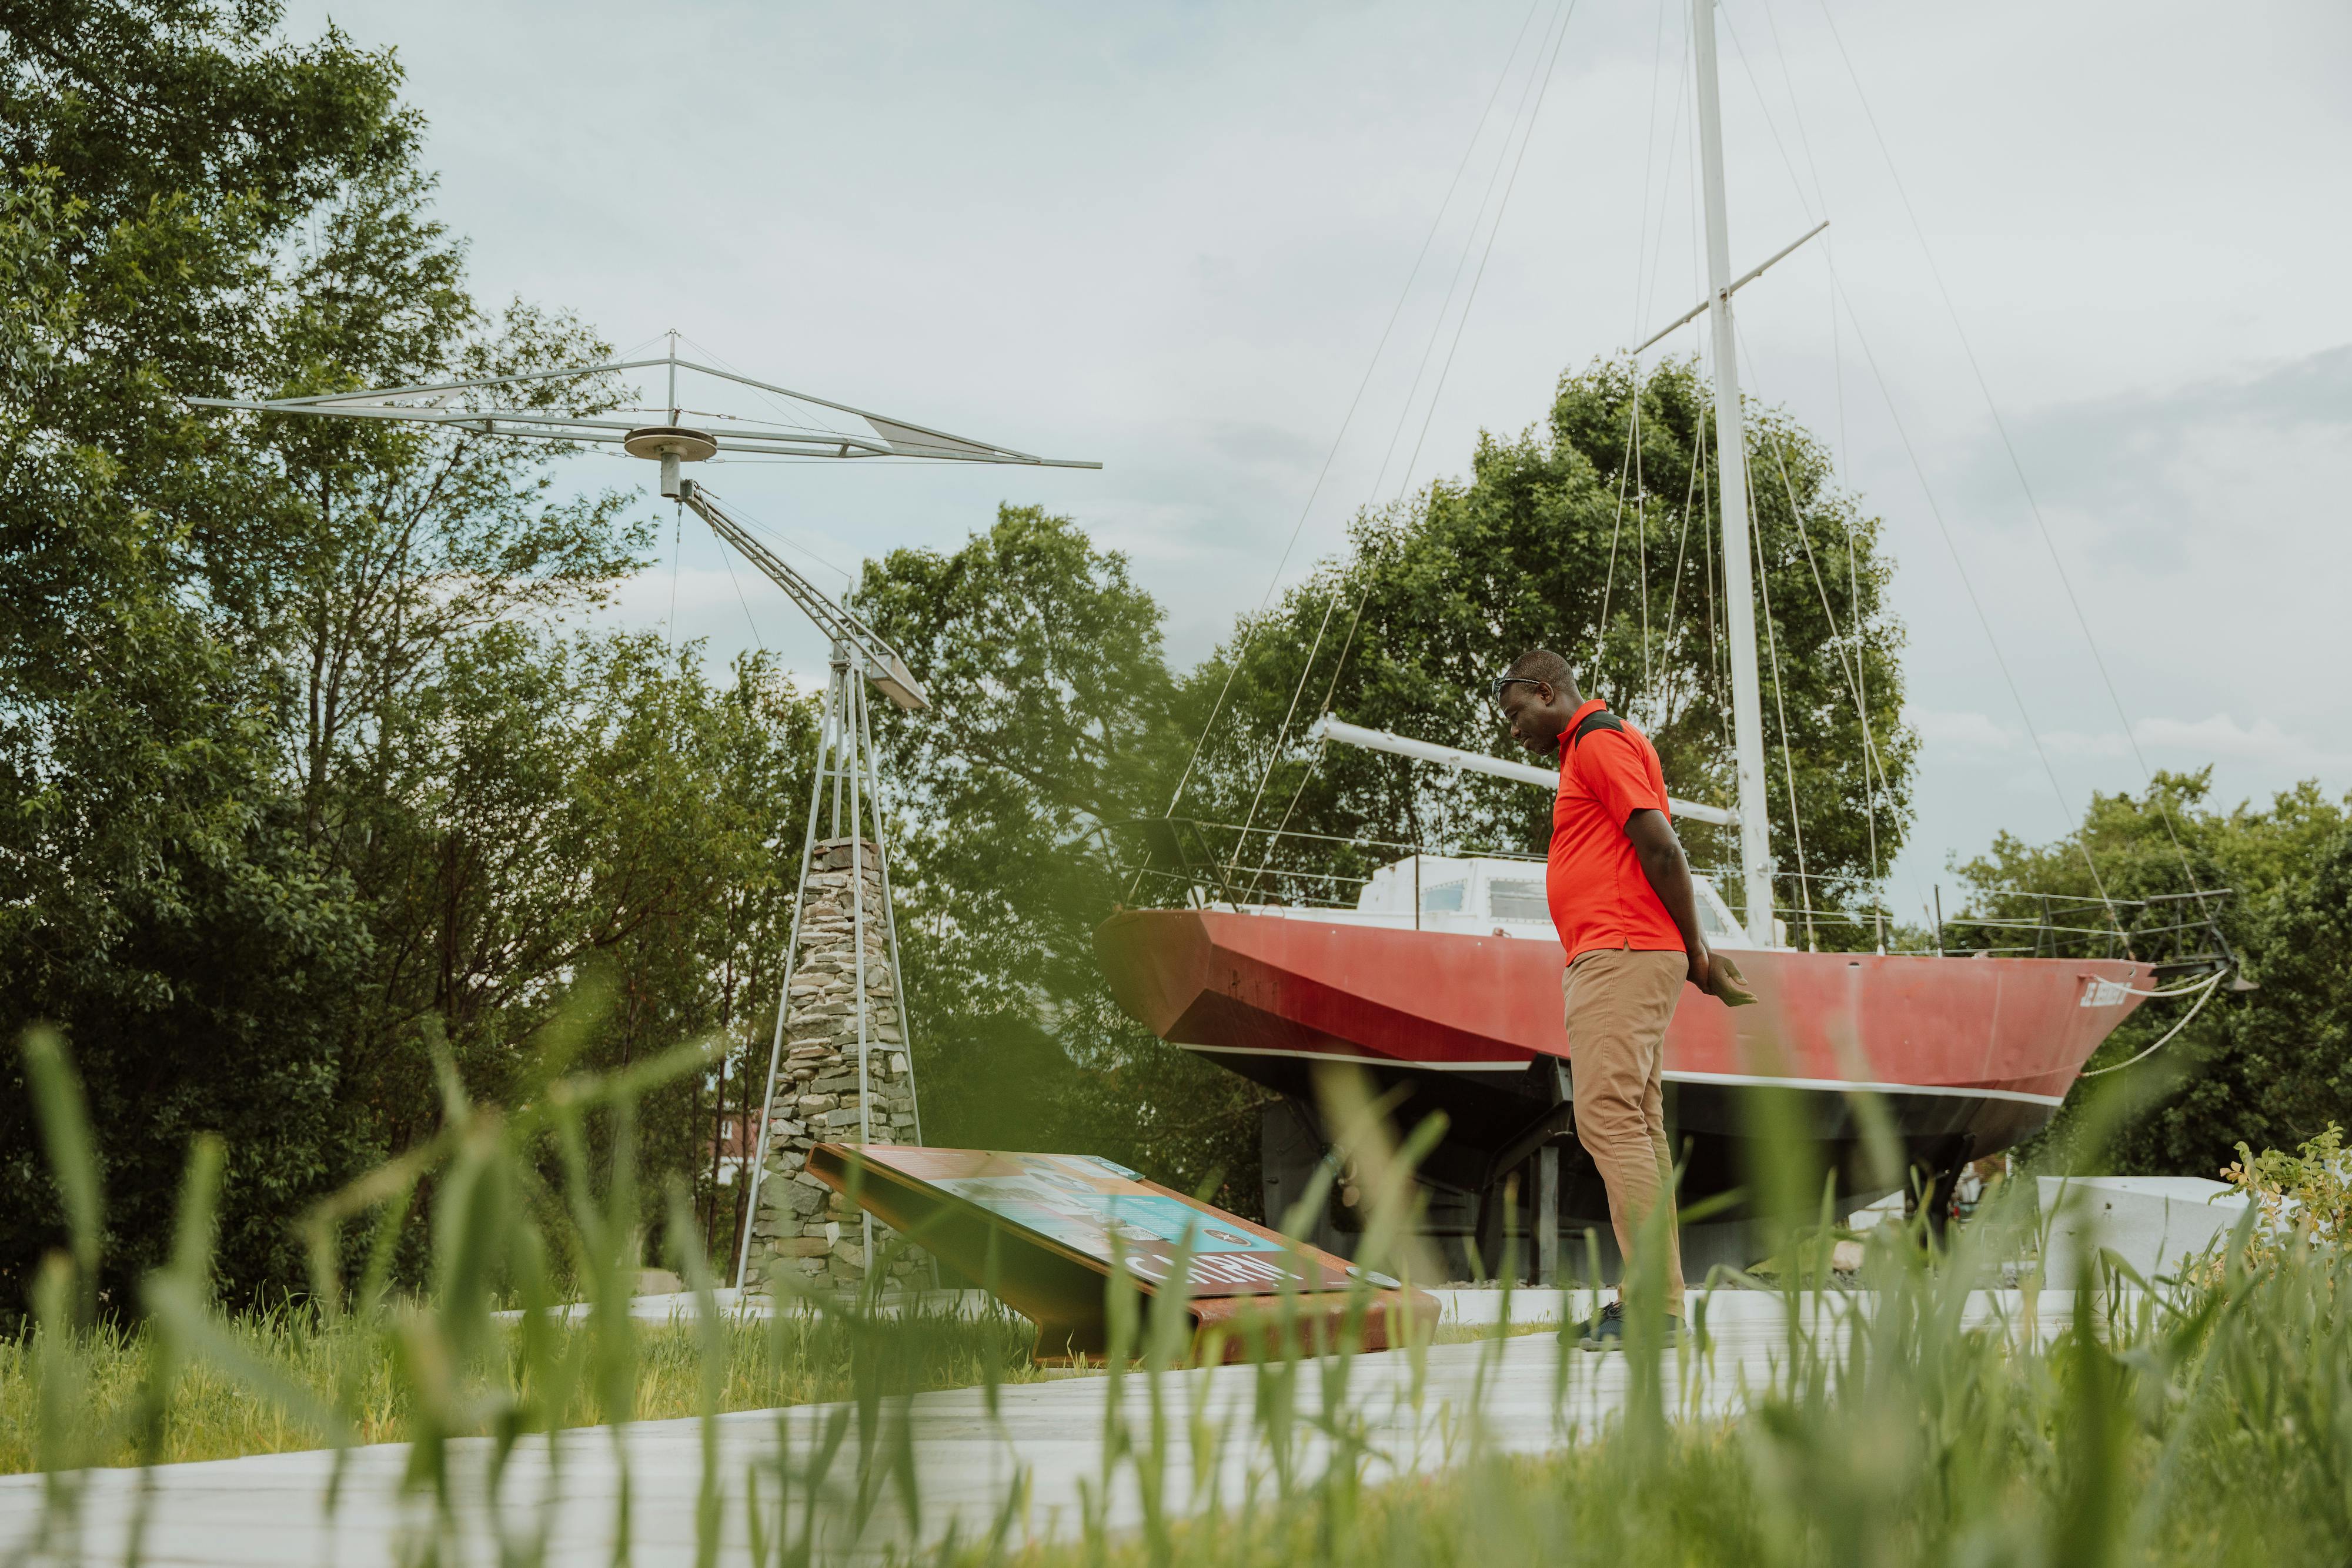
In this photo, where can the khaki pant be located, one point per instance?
(1619, 1003)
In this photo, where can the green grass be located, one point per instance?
(216, 1414)
(2178, 1425)
(2194, 1421)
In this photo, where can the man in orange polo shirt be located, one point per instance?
(1620, 897)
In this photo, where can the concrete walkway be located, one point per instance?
(1479, 1306)
(1031, 1466)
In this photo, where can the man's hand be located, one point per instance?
(1661, 854)
(1725, 983)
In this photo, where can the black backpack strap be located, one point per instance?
(1600, 718)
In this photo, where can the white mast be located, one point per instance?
(1731, 465)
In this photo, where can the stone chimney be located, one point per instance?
(802, 1229)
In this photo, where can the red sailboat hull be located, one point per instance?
(1239, 982)
(1967, 1055)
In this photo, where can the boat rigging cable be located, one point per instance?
(1541, 86)
(2009, 447)
(1429, 417)
(1838, 289)
(1858, 677)
(1780, 707)
(1849, 669)
(1646, 260)
(1837, 367)
(1780, 144)
(1633, 471)
(1250, 628)
(2017, 466)
(1872, 761)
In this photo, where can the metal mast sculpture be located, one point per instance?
(524, 406)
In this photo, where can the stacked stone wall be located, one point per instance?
(804, 1230)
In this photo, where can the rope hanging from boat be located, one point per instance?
(2169, 1035)
(2165, 992)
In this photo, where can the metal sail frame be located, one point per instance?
(421, 404)
(845, 757)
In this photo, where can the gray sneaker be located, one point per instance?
(1607, 1330)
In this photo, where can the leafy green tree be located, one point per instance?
(2271, 1067)
(155, 890)
(1054, 725)
(298, 768)
(1597, 538)
(692, 796)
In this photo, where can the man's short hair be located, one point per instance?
(1542, 665)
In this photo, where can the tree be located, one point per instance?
(154, 889)
(692, 796)
(1054, 725)
(1596, 538)
(2271, 1067)
(299, 766)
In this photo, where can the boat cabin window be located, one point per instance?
(1711, 925)
(1518, 901)
(1443, 898)
(1716, 921)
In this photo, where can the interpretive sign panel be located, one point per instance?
(1047, 1233)
(1101, 1209)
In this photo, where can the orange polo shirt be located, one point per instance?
(1592, 879)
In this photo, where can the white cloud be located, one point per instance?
(1961, 731)
(2086, 743)
(2221, 736)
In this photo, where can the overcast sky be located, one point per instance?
(1170, 239)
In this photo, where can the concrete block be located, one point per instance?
(2152, 1222)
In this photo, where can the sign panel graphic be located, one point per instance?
(1099, 1208)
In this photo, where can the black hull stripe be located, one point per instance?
(1726, 1080)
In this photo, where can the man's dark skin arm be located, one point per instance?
(1661, 854)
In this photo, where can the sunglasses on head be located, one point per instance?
(1504, 682)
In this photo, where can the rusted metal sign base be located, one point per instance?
(1042, 1233)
